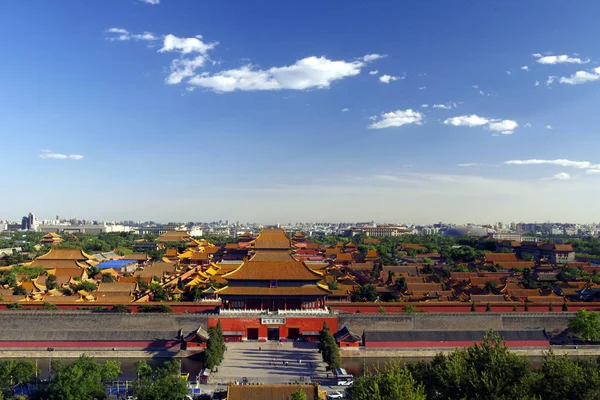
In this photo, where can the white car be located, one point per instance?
(335, 395)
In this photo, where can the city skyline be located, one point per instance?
(179, 110)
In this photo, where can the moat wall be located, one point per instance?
(13, 322)
(554, 323)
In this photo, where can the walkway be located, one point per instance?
(265, 362)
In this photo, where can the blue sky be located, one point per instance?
(463, 111)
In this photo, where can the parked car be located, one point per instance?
(335, 395)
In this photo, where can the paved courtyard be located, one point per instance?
(271, 362)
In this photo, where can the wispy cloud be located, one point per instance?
(153, 2)
(397, 118)
(120, 34)
(446, 106)
(548, 127)
(50, 155)
(345, 109)
(525, 68)
(374, 72)
(501, 126)
(560, 162)
(466, 165)
(373, 57)
(561, 59)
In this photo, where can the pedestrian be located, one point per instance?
(259, 348)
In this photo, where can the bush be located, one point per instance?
(488, 307)
(381, 309)
(122, 308)
(14, 306)
(49, 306)
(159, 308)
(409, 309)
(473, 307)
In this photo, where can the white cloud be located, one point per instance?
(424, 105)
(345, 109)
(153, 2)
(184, 68)
(562, 176)
(467, 120)
(372, 57)
(537, 83)
(186, 45)
(397, 118)
(551, 80)
(387, 78)
(548, 126)
(46, 154)
(593, 171)
(508, 72)
(525, 68)
(536, 55)
(562, 59)
(310, 72)
(421, 88)
(580, 77)
(469, 164)
(560, 162)
(504, 127)
(374, 72)
(121, 34)
(527, 125)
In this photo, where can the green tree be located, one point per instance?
(559, 378)
(366, 292)
(483, 371)
(87, 286)
(19, 291)
(526, 257)
(83, 380)
(333, 285)
(162, 383)
(51, 282)
(14, 372)
(393, 384)
(490, 287)
(586, 324)
(329, 348)
(215, 347)
(299, 395)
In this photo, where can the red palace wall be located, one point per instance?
(158, 344)
(511, 343)
(306, 324)
(458, 307)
